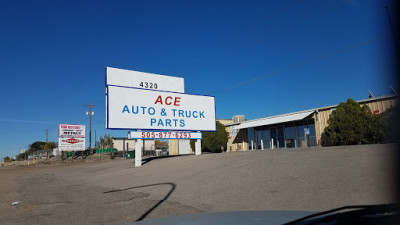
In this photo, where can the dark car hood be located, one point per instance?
(237, 217)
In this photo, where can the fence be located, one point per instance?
(105, 150)
(38, 154)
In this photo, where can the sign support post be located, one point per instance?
(198, 147)
(138, 152)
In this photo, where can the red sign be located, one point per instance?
(72, 141)
(71, 131)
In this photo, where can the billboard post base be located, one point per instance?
(198, 147)
(138, 152)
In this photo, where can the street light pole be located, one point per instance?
(90, 113)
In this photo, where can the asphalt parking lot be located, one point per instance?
(114, 192)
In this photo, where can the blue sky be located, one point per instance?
(258, 58)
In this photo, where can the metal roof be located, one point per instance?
(119, 138)
(362, 101)
(275, 119)
(291, 116)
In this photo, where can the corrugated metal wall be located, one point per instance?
(377, 106)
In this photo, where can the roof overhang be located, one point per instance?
(274, 120)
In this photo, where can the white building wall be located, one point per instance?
(184, 147)
(118, 144)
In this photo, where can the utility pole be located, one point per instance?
(95, 138)
(90, 113)
(47, 135)
(396, 45)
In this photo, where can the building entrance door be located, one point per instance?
(281, 137)
(278, 135)
(274, 139)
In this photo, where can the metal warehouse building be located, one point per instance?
(292, 130)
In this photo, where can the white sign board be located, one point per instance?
(164, 135)
(131, 108)
(71, 130)
(71, 144)
(130, 78)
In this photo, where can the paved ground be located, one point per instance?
(113, 192)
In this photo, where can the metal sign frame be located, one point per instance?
(154, 92)
(81, 127)
(149, 134)
(140, 80)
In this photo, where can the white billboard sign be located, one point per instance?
(130, 78)
(71, 130)
(71, 144)
(164, 135)
(131, 108)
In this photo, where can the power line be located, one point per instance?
(300, 14)
(47, 135)
(204, 54)
(27, 121)
(296, 65)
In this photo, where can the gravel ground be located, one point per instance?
(114, 192)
